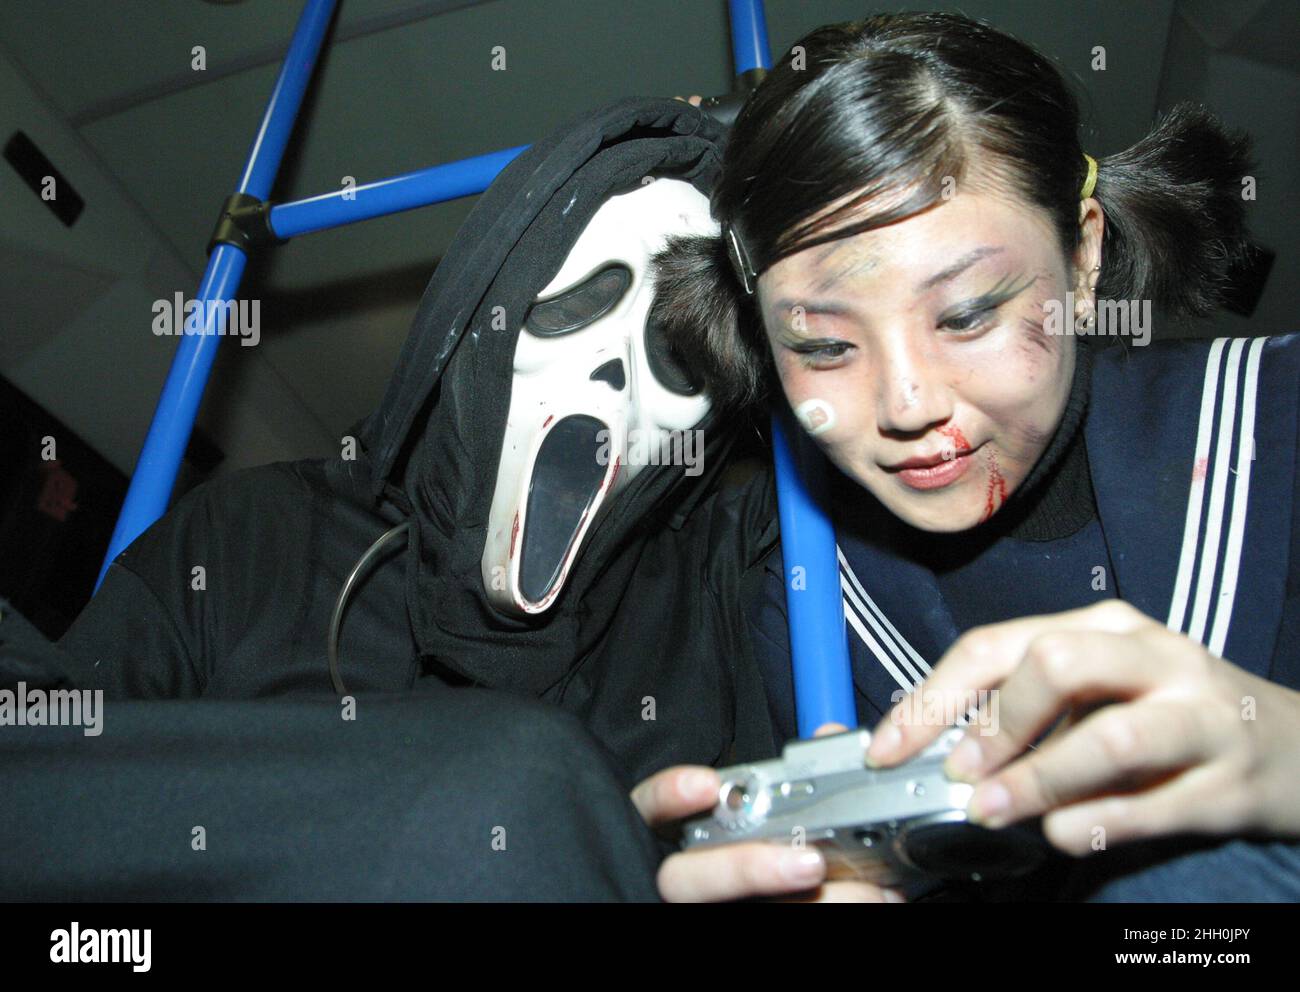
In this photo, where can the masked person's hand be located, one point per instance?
(737, 871)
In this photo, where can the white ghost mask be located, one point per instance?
(596, 396)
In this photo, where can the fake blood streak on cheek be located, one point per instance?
(997, 487)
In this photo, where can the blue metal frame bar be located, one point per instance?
(748, 36)
(437, 184)
(178, 404)
(819, 648)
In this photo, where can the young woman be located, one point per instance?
(916, 252)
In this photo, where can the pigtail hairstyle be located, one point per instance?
(1175, 215)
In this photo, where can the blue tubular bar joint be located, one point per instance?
(178, 405)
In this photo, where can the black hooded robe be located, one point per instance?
(638, 617)
(228, 599)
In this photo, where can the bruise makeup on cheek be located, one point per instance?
(1035, 336)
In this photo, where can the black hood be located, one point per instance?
(434, 443)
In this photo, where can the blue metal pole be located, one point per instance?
(748, 36)
(819, 649)
(823, 681)
(178, 404)
(387, 196)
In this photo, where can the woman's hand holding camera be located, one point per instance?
(737, 871)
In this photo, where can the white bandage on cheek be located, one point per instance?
(816, 415)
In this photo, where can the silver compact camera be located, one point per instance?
(904, 827)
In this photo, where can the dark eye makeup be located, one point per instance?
(981, 308)
(968, 320)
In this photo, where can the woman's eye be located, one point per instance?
(971, 321)
(823, 355)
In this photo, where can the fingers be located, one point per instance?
(1117, 748)
(1059, 671)
(1175, 806)
(676, 792)
(734, 871)
(980, 660)
(826, 729)
(738, 871)
(694, 101)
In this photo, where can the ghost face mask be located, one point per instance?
(596, 399)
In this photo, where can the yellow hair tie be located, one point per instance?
(1090, 183)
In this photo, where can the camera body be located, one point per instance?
(904, 827)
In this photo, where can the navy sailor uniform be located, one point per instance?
(1191, 454)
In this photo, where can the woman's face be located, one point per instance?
(916, 355)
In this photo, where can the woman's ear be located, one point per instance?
(1087, 256)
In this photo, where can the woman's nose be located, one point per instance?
(910, 396)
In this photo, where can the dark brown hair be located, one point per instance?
(899, 103)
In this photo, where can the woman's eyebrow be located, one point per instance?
(836, 308)
(959, 266)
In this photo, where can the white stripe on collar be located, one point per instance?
(1211, 466)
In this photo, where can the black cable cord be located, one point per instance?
(336, 621)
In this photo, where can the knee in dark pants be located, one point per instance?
(1193, 870)
(517, 801)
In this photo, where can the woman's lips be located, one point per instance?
(936, 476)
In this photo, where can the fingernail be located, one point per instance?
(883, 743)
(696, 784)
(965, 760)
(990, 804)
(801, 867)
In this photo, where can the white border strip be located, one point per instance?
(1241, 495)
(893, 637)
(874, 646)
(1210, 550)
(1192, 527)
(853, 603)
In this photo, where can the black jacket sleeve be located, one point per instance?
(126, 642)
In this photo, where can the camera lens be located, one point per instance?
(963, 850)
(743, 803)
(737, 797)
